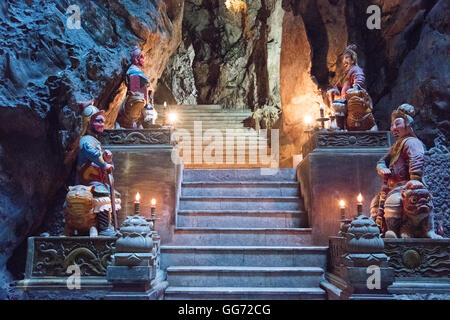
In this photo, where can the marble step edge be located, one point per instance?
(240, 212)
(241, 230)
(301, 249)
(234, 198)
(239, 269)
(245, 290)
(290, 184)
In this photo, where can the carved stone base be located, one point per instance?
(48, 273)
(135, 283)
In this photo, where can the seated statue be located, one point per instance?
(349, 99)
(137, 110)
(404, 207)
(88, 204)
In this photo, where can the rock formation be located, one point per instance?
(47, 69)
(235, 53)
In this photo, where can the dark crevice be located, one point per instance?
(318, 39)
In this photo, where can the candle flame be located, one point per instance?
(153, 202)
(359, 198)
(342, 204)
(138, 197)
(308, 119)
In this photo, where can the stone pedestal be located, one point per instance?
(339, 165)
(51, 273)
(143, 163)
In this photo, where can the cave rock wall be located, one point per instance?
(47, 69)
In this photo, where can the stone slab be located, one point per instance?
(149, 170)
(329, 173)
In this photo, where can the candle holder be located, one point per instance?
(340, 120)
(345, 222)
(322, 119)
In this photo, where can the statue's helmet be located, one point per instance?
(351, 50)
(89, 114)
(406, 112)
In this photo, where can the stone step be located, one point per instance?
(222, 127)
(242, 276)
(243, 256)
(243, 293)
(242, 236)
(256, 149)
(243, 188)
(247, 175)
(240, 203)
(190, 107)
(201, 116)
(243, 219)
(208, 121)
(226, 166)
(236, 160)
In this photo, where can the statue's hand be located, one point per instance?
(107, 156)
(384, 171)
(333, 90)
(109, 168)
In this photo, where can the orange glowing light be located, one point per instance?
(138, 197)
(308, 120)
(342, 204)
(153, 202)
(359, 198)
(236, 5)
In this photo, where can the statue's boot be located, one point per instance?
(104, 224)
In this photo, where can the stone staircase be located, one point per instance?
(242, 235)
(218, 133)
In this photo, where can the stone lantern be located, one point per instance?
(365, 265)
(134, 271)
(134, 247)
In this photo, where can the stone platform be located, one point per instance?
(421, 268)
(335, 166)
(143, 162)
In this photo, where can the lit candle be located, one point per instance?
(137, 203)
(153, 207)
(308, 121)
(165, 104)
(359, 200)
(152, 217)
(342, 206)
(322, 115)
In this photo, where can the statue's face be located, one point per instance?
(416, 201)
(399, 127)
(99, 124)
(140, 60)
(347, 61)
